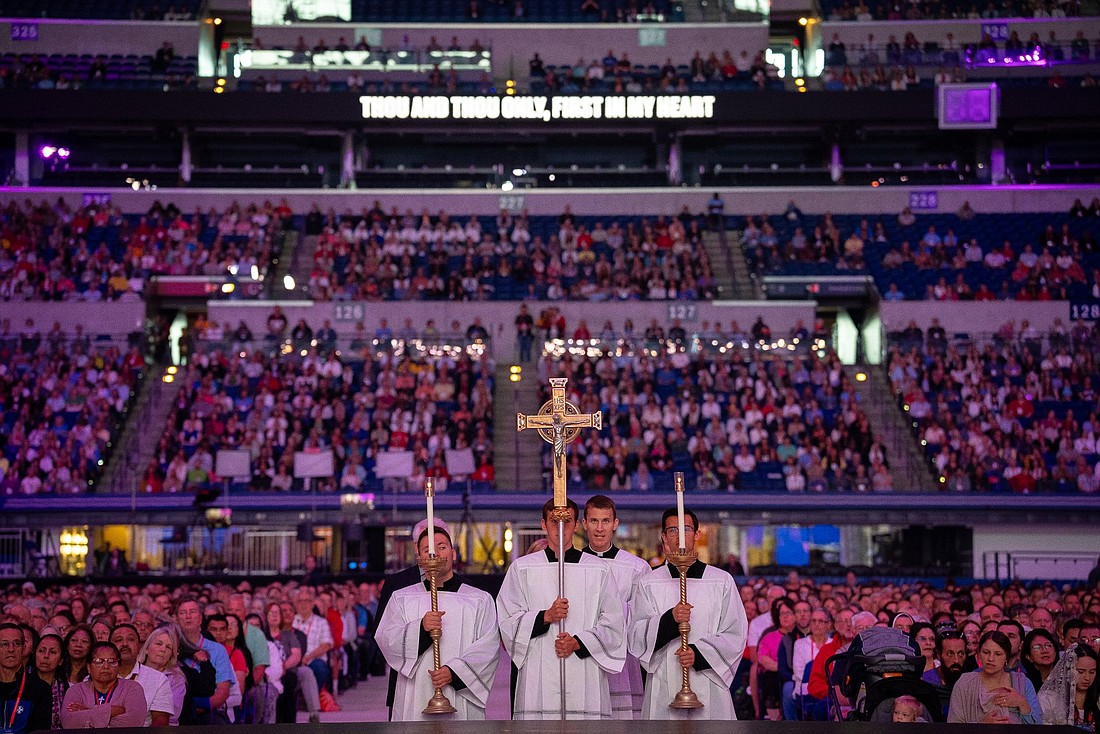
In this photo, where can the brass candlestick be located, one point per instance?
(431, 566)
(686, 698)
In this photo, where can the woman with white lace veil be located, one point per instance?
(1069, 695)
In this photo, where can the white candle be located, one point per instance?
(431, 517)
(680, 507)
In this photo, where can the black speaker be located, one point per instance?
(374, 547)
(305, 533)
(353, 533)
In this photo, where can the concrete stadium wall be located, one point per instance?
(513, 45)
(96, 318)
(1038, 551)
(972, 318)
(101, 37)
(881, 201)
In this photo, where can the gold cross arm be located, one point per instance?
(558, 423)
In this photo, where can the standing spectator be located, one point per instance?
(716, 208)
(163, 58)
(525, 336)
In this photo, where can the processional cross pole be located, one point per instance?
(559, 423)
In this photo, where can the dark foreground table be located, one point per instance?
(607, 727)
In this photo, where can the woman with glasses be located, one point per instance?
(993, 694)
(971, 631)
(78, 643)
(104, 700)
(50, 666)
(1038, 655)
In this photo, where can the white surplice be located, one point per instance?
(627, 688)
(718, 633)
(469, 646)
(595, 618)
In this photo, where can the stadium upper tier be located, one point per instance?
(937, 256)
(373, 256)
(377, 11)
(97, 253)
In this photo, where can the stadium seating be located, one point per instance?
(97, 253)
(594, 258)
(1016, 411)
(732, 412)
(63, 401)
(922, 263)
(300, 394)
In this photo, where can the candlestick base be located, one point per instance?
(438, 705)
(685, 698)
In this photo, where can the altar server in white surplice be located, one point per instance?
(469, 645)
(715, 643)
(600, 522)
(593, 644)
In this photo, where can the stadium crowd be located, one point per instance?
(615, 74)
(294, 390)
(733, 409)
(844, 10)
(375, 255)
(1019, 413)
(964, 256)
(215, 653)
(63, 399)
(97, 253)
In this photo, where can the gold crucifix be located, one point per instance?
(559, 422)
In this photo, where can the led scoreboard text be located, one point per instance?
(546, 109)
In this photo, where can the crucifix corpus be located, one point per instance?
(559, 422)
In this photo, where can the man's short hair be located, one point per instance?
(672, 512)
(438, 531)
(601, 502)
(962, 605)
(549, 507)
(125, 625)
(1012, 623)
(188, 600)
(1072, 624)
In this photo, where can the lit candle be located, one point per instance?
(428, 492)
(680, 507)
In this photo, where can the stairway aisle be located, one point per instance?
(909, 468)
(139, 439)
(517, 458)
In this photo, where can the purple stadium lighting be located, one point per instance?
(63, 153)
(47, 151)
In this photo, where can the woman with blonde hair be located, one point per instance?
(161, 652)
